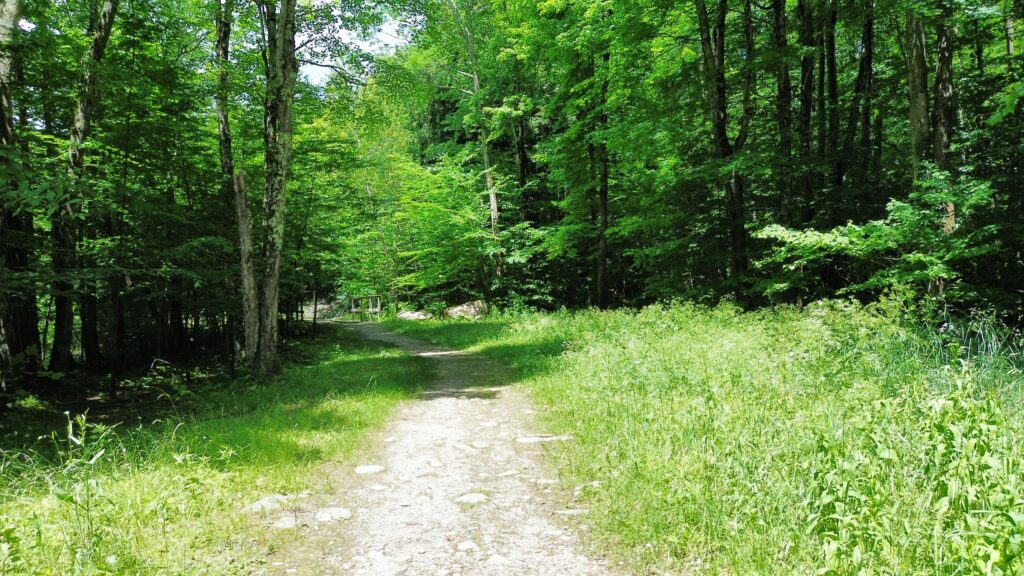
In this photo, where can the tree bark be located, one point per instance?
(232, 186)
(101, 23)
(19, 316)
(88, 317)
(1010, 28)
(783, 113)
(601, 287)
(281, 70)
(713, 51)
(944, 112)
(10, 14)
(832, 81)
(917, 82)
(474, 74)
(860, 106)
(805, 14)
(23, 312)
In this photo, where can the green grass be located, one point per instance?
(168, 497)
(835, 440)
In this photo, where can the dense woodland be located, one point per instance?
(182, 177)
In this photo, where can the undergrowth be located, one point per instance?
(167, 497)
(834, 440)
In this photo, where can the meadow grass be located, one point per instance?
(168, 497)
(834, 440)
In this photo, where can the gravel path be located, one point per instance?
(456, 487)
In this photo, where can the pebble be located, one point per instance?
(369, 469)
(468, 546)
(268, 503)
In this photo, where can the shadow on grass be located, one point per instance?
(321, 411)
(489, 338)
(345, 385)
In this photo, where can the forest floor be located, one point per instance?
(455, 484)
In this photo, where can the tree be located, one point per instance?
(101, 23)
(233, 184)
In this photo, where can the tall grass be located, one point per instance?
(168, 497)
(835, 440)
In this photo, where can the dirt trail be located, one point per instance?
(456, 487)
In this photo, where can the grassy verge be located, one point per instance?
(168, 497)
(835, 440)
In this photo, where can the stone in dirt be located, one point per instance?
(332, 514)
(468, 546)
(470, 310)
(369, 469)
(268, 503)
(418, 315)
(572, 512)
(542, 438)
(472, 498)
(285, 523)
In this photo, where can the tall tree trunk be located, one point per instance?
(281, 70)
(88, 318)
(713, 50)
(805, 14)
(602, 192)
(867, 104)
(233, 185)
(19, 316)
(117, 285)
(917, 82)
(944, 112)
(10, 14)
(474, 74)
(859, 113)
(1010, 27)
(20, 246)
(822, 105)
(832, 81)
(783, 113)
(979, 46)
(101, 22)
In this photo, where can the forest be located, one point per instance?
(537, 155)
(188, 183)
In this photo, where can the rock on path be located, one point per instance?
(455, 489)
